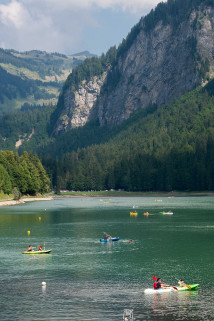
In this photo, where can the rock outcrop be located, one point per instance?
(78, 104)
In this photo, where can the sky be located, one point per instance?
(68, 26)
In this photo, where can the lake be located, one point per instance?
(89, 280)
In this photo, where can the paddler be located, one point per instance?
(159, 285)
(107, 236)
(40, 247)
(30, 248)
(181, 283)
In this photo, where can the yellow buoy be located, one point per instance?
(40, 218)
(28, 232)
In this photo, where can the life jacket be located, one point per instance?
(157, 285)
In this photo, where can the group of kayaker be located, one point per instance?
(159, 285)
(30, 248)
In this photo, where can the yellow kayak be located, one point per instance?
(37, 252)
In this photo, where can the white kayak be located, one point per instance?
(150, 291)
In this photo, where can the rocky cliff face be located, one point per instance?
(78, 105)
(159, 66)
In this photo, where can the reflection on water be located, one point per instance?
(89, 280)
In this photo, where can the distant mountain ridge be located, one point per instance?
(33, 77)
(85, 53)
(168, 53)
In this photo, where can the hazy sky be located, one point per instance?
(68, 26)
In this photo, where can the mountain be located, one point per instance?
(170, 147)
(140, 117)
(169, 52)
(33, 77)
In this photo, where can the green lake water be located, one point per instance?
(89, 280)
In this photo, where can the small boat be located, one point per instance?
(173, 288)
(166, 213)
(146, 213)
(37, 252)
(134, 213)
(111, 239)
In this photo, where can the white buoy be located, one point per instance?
(43, 283)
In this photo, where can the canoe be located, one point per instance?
(170, 289)
(110, 240)
(168, 213)
(37, 252)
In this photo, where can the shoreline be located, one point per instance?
(136, 195)
(24, 200)
(84, 195)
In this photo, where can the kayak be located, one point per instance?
(134, 213)
(37, 252)
(170, 289)
(168, 213)
(112, 239)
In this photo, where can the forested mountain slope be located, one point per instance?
(33, 77)
(169, 52)
(25, 129)
(170, 148)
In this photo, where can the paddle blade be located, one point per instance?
(154, 278)
(174, 287)
(188, 286)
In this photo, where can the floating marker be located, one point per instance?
(40, 218)
(28, 232)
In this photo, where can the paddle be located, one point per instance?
(174, 287)
(188, 286)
